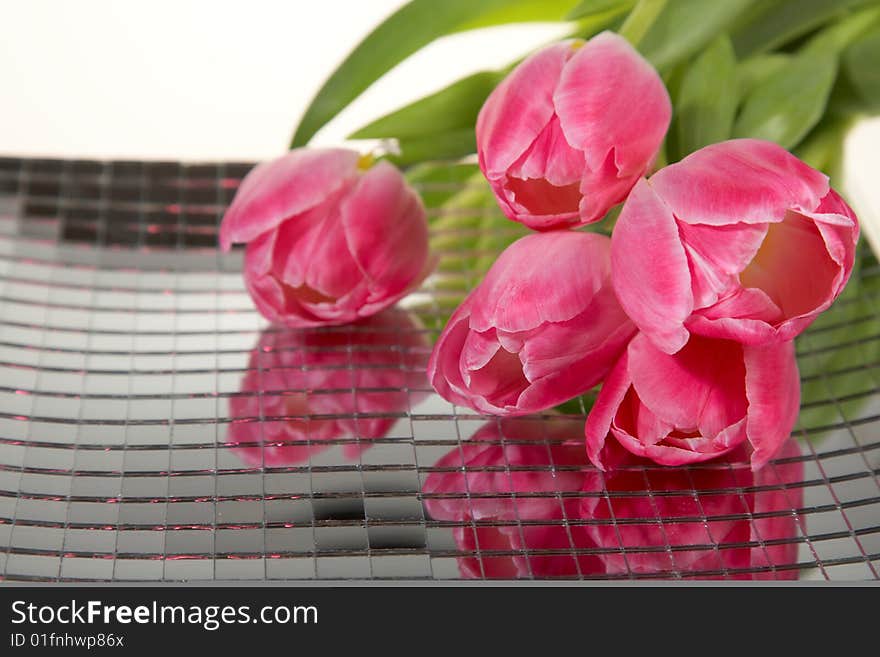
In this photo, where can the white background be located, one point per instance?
(200, 80)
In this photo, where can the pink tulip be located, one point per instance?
(740, 240)
(346, 385)
(566, 135)
(542, 327)
(329, 241)
(504, 490)
(699, 403)
(716, 521)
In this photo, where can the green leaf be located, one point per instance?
(707, 99)
(790, 102)
(640, 20)
(435, 126)
(412, 27)
(835, 38)
(780, 22)
(449, 145)
(685, 26)
(755, 70)
(439, 126)
(454, 107)
(823, 148)
(590, 7)
(437, 182)
(861, 62)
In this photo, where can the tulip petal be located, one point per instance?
(741, 180)
(518, 110)
(598, 423)
(650, 269)
(600, 332)
(793, 267)
(747, 315)
(550, 158)
(283, 188)
(610, 97)
(444, 370)
(572, 376)
(773, 390)
(384, 223)
(265, 290)
(525, 287)
(712, 373)
(311, 257)
(477, 351)
(603, 188)
(725, 249)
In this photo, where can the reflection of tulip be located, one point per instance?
(566, 135)
(524, 503)
(303, 387)
(740, 240)
(328, 242)
(697, 404)
(750, 525)
(536, 461)
(523, 341)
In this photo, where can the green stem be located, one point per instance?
(640, 20)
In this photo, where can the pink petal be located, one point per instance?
(285, 187)
(712, 373)
(650, 269)
(718, 254)
(575, 378)
(741, 180)
(529, 282)
(610, 97)
(266, 291)
(598, 334)
(312, 258)
(444, 370)
(773, 390)
(663, 453)
(793, 267)
(747, 316)
(603, 188)
(518, 110)
(604, 409)
(550, 158)
(384, 223)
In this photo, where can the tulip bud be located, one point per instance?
(740, 240)
(702, 402)
(566, 135)
(328, 240)
(544, 326)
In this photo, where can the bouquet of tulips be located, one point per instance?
(678, 284)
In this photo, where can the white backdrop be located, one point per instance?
(201, 80)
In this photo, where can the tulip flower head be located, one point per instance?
(702, 402)
(542, 327)
(566, 135)
(330, 239)
(740, 240)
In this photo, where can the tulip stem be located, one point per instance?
(640, 20)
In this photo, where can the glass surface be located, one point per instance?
(154, 427)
